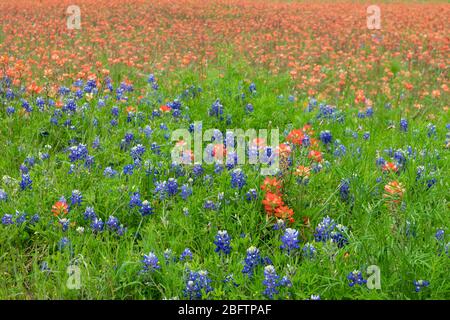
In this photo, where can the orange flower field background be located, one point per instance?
(326, 48)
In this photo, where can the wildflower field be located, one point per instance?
(124, 176)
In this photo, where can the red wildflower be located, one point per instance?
(285, 213)
(271, 185)
(295, 136)
(60, 208)
(271, 202)
(315, 155)
(389, 166)
(165, 108)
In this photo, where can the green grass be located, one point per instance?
(110, 265)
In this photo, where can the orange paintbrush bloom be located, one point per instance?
(60, 208)
(302, 171)
(165, 108)
(315, 155)
(271, 202)
(271, 185)
(394, 191)
(389, 167)
(296, 136)
(285, 213)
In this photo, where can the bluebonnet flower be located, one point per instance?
(326, 137)
(137, 152)
(403, 124)
(380, 161)
(30, 161)
(44, 155)
(27, 107)
(121, 230)
(440, 233)
(400, 157)
(40, 102)
(89, 214)
(222, 242)
(230, 279)
(197, 170)
(252, 88)
(109, 172)
(340, 150)
(34, 219)
(431, 130)
(355, 277)
(3, 195)
(150, 262)
(26, 182)
(20, 217)
(209, 205)
(97, 225)
(218, 168)
(65, 223)
(148, 131)
(251, 195)
(24, 169)
(63, 243)
(135, 200)
(338, 235)
(196, 284)
(238, 179)
(70, 106)
(309, 251)
(76, 198)
(290, 240)
(279, 225)
(10, 110)
(146, 208)
(344, 189)
(100, 103)
(186, 191)
(9, 95)
(420, 284)
(186, 255)
(96, 143)
(115, 111)
(89, 162)
(7, 219)
(252, 260)
(366, 135)
(155, 148)
(168, 256)
(306, 141)
(420, 171)
(172, 187)
(329, 230)
(285, 282)
(249, 108)
(270, 281)
(78, 152)
(129, 137)
(431, 182)
(314, 297)
(216, 110)
(63, 91)
(112, 223)
(128, 169)
(161, 189)
(186, 211)
(324, 229)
